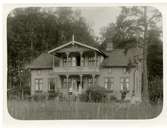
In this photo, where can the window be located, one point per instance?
(65, 83)
(69, 61)
(38, 84)
(69, 83)
(73, 61)
(108, 82)
(90, 82)
(124, 83)
(91, 61)
(65, 61)
(125, 70)
(51, 84)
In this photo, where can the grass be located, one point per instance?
(52, 109)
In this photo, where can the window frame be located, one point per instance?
(109, 82)
(65, 83)
(90, 82)
(124, 82)
(49, 83)
(38, 84)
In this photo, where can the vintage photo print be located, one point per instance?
(84, 62)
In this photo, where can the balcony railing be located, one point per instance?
(77, 69)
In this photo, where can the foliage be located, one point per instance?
(128, 31)
(155, 55)
(39, 96)
(31, 31)
(156, 89)
(94, 94)
(129, 27)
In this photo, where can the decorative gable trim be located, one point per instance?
(61, 46)
(75, 42)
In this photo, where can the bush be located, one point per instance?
(52, 94)
(39, 96)
(112, 98)
(84, 97)
(156, 89)
(94, 94)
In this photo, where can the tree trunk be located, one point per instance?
(145, 74)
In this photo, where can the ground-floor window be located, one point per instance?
(38, 84)
(51, 84)
(65, 83)
(90, 82)
(124, 83)
(108, 82)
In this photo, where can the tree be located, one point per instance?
(31, 31)
(132, 29)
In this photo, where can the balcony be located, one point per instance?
(76, 69)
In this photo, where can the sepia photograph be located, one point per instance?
(71, 63)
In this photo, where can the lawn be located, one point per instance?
(52, 109)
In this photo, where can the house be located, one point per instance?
(75, 66)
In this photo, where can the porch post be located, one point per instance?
(81, 58)
(80, 87)
(95, 58)
(53, 62)
(67, 76)
(81, 80)
(67, 55)
(93, 76)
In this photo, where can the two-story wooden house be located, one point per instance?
(75, 66)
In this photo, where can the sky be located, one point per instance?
(99, 17)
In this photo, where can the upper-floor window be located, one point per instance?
(108, 82)
(65, 61)
(38, 84)
(70, 62)
(73, 61)
(91, 60)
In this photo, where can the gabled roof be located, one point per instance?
(116, 58)
(92, 46)
(121, 57)
(44, 61)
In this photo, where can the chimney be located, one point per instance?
(109, 46)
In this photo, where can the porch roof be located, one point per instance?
(115, 58)
(121, 57)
